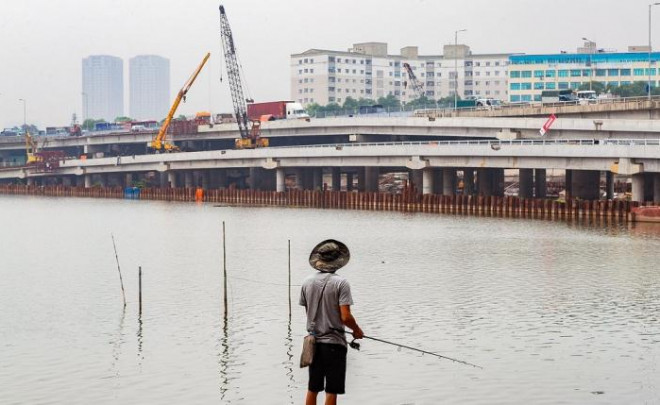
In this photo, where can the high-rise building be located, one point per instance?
(149, 87)
(368, 71)
(103, 87)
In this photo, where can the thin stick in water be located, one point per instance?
(224, 264)
(121, 280)
(140, 287)
(289, 279)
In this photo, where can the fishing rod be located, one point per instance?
(409, 348)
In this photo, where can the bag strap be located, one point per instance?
(313, 331)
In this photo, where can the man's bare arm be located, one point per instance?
(348, 320)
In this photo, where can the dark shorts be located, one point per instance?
(328, 369)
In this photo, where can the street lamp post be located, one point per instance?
(456, 67)
(591, 63)
(650, 49)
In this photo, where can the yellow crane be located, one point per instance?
(30, 149)
(159, 144)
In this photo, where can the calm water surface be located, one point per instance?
(555, 313)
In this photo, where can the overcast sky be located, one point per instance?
(43, 41)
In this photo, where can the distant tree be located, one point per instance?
(350, 103)
(90, 123)
(420, 102)
(313, 108)
(365, 101)
(389, 102)
(123, 119)
(447, 102)
(181, 117)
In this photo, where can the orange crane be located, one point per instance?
(158, 144)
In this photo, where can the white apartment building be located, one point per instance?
(103, 87)
(368, 71)
(149, 87)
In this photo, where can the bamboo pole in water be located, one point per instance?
(121, 281)
(140, 288)
(224, 265)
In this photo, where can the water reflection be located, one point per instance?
(116, 346)
(223, 359)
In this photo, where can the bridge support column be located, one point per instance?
(30, 181)
(427, 181)
(171, 178)
(163, 183)
(541, 183)
(656, 188)
(80, 181)
(468, 181)
(361, 179)
(128, 179)
(88, 180)
(448, 181)
(280, 185)
(349, 182)
(485, 182)
(253, 181)
(609, 185)
(188, 179)
(317, 178)
(526, 183)
(336, 179)
(569, 184)
(437, 181)
(586, 184)
(371, 179)
(416, 180)
(498, 182)
(638, 187)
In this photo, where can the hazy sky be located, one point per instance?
(43, 41)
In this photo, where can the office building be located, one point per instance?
(530, 75)
(368, 71)
(149, 87)
(103, 87)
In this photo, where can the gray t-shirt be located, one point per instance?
(337, 292)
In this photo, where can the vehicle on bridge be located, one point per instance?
(558, 96)
(276, 110)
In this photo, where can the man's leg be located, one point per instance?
(311, 398)
(330, 399)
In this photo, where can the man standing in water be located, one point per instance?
(327, 299)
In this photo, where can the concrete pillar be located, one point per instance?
(485, 182)
(468, 181)
(569, 184)
(336, 179)
(128, 179)
(164, 179)
(586, 184)
(656, 188)
(437, 181)
(448, 181)
(638, 187)
(498, 182)
(171, 178)
(317, 179)
(188, 179)
(416, 180)
(371, 178)
(540, 183)
(362, 180)
(253, 179)
(609, 185)
(349, 181)
(30, 181)
(80, 181)
(280, 185)
(526, 183)
(427, 180)
(88, 180)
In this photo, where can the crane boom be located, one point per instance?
(415, 84)
(233, 75)
(158, 142)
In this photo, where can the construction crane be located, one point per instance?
(249, 131)
(414, 83)
(30, 149)
(158, 144)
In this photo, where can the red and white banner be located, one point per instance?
(546, 127)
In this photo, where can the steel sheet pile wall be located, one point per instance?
(406, 202)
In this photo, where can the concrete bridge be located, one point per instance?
(433, 166)
(345, 130)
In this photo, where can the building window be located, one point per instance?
(515, 86)
(576, 73)
(537, 97)
(639, 72)
(515, 99)
(525, 86)
(612, 72)
(306, 60)
(625, 72)
(563, 73)
(311, 70)
(601, 72)
(586, 73)
(526, 98)
(515, 74)
(311, 61)
(306, 80)
(575, 85)
(331, 89)
(306, 70)
(550, 73)
(526, 74)
(338, 60)
(563, 85)
(331, 59)
(650, 71)
(550, 86)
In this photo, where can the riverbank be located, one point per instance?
(508, 206)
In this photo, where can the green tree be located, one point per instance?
(389, 102)
(350, 103)
(89, 124)
(313, 108)
(365, 101)
(420, 102)
(123, 119)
